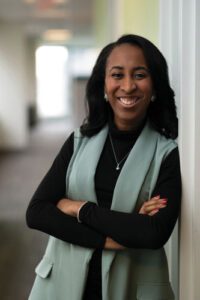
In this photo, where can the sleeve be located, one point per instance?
(42, 213)
(134, 230)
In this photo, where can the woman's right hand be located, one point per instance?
(152, 206)
(110, 244)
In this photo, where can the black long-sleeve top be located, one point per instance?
(98, 222)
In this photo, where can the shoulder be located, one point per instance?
(171, 165)
(68, 146)
(166, 145)
(172, 158)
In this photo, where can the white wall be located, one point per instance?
(170, 47)
(30, 85)
(180, 42)
(13, 128)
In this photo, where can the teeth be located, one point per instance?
(128, 101)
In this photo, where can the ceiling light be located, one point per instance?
(59, 1)
(30, 1)
(57, 35)
(46, 1)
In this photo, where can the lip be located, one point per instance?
(128, 101)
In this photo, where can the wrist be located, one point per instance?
(78, 211)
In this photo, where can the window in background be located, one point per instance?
(51, 65)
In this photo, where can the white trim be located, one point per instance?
(169, 45)
(187, 148)
(196, 220)
(180, 43)
(165, 27)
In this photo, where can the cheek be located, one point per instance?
(110, 86)
(147, 89)
(149, 86)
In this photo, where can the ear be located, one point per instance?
(153, 98)
(105, 97)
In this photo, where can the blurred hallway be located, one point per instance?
(20, 173)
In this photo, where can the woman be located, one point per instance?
(111, 215)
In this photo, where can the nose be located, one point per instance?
(128, 85)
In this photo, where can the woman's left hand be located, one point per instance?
(152, 206)
(70, 207)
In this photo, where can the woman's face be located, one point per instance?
(128, 86)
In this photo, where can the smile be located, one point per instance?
(128, 101)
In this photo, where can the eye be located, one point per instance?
(140, 75)
(117, 75)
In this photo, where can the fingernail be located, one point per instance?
(164, 200)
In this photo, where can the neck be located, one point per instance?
(127, 126)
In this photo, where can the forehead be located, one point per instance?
(126, 55)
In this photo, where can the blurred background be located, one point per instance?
(47, 51)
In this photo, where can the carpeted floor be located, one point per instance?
(20, 172)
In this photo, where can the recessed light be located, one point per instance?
(59, 1)
(30, 1)
(50, 1)
(59, 35)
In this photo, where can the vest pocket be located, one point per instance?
(154, 291)
(44, 268)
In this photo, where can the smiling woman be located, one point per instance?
(128, 86)
(111, 199)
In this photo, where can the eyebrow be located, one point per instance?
(135, 69)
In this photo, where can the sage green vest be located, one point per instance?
(126, 275)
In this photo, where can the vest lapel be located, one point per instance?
(134, 170)
(81, 172)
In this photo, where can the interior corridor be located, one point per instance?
(20, 173)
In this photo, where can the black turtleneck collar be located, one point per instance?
(123, 134)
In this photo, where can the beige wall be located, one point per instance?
(141, 17)
(116, 17)
(13, 112)
(101, 28)
(30, 71)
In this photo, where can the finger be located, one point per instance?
(149, 208)
(156, 197)
(153, 212)
(155, 202)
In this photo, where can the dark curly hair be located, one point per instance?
(161, 112)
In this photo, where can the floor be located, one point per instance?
(20, 172)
